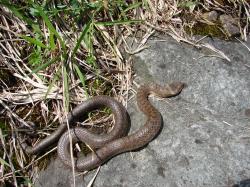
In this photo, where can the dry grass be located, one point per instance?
(60, 65)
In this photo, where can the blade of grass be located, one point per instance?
(43, 66)
(65, 88)
(55, 78)
(88, 38)
(83, 34)
(52, 42)
(3, 162)
(81, 76)
(33, 41)
(133, 6)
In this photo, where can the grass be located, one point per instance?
(62, 53)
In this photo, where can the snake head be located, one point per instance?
(176, 87)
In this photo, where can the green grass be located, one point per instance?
(56, 48)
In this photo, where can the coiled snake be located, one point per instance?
(114, 142)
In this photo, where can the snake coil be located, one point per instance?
(116, 141)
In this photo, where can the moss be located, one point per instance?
(205, 29)
(99, 87)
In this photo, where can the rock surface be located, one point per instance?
(210, 16)
(205, 140)
(229, 25)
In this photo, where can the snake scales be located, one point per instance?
(115, 142)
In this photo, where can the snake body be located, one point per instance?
(115, 142)
(120, 128)
(108, 149)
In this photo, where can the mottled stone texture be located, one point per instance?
(205, 140)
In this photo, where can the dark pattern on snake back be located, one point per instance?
(109, 149)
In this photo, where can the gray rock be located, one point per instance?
(210, 16)
(56, 174)
(205, 139)
(229, 24)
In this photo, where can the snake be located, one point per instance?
(106, 146)
(103, 149)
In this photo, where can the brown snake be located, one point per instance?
(126, 143)
(115, 142)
